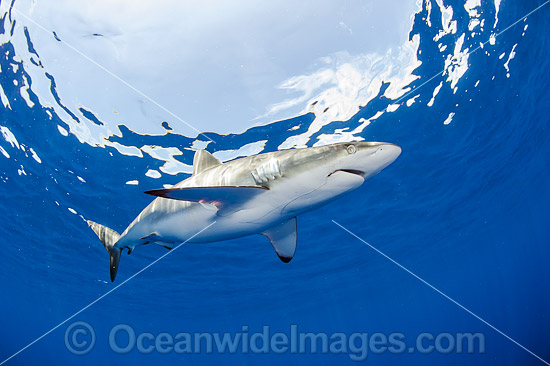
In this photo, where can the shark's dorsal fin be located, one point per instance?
(203, 160)
(227, 199)
(283, 238)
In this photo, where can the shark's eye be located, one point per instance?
(351, 149)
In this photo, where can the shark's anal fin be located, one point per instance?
(203, 160)
(227, 199)
(283, 238)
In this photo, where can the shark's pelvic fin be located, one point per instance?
(227, 199)
(151, 237)
(155, 238)
(109, 238)
(203, 160)
(283, 237)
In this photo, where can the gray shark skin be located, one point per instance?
(260, 194)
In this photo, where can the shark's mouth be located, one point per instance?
(351, 171)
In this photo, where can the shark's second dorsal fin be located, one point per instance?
(203, 160)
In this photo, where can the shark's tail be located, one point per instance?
(109, 238)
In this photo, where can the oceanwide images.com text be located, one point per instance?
(80, 339)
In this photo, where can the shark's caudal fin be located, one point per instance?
(109, 238)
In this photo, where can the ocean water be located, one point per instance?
(463, 213)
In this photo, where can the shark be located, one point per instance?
(258, 194)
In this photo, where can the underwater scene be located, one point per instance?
(326, 183)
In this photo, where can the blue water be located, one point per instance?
(465, 208)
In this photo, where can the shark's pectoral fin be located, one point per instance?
(227, 199)
(283, 237)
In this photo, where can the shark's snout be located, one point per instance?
(389, 151)
(385, 154)
(370, 158)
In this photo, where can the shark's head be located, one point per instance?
(326, 172)
(363, 158)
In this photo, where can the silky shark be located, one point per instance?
(259, 194)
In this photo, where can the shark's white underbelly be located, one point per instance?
(254, 217)
(280, 203)
(186, 225)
